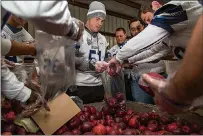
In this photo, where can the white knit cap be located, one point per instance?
(96, 9)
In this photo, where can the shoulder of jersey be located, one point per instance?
(101, 35)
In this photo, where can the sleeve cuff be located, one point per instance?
(5, 46)
(121, 61)
(24, 95)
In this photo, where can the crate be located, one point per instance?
(140, 107)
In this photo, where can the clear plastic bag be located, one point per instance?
(56, 60)
(23, 71)
(113, 84)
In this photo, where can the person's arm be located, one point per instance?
(12, 88)
(157, 52)
(14, 48)
(142, 42)
(50, 16)
(187, 82)
(179, 93)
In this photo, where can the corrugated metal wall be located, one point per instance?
(110, 25)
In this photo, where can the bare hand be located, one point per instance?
(101, 66)
(36, 100)
(157, 86)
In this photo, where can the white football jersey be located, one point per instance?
(92, 48)
(21, 35)
(113, 51)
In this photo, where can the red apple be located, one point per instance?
(122, 125)
(20, 131)
(74, 122)
(126, 118)
(105, 109)
(76, 132)
(130, 112)
(108, 117)
(133, 122)
(163, 127)
(164, 120)
(120, 96)
(113, 132)
(9, 128)
(120, 113)
(79, 114)
(83, 118)
(109, 122)
(171, 127)
(143, 118)
(108, 129)
(93, 109)
(142, 128)
(87, 114)
(153, 116)
(92, 117)
(86, 127)
(98, 115)
(122, 106)
(94, 122)
(112, 102)
(86, 109)
(186, 130)
(99, 130)
(177, 131)
(6, 105)
(10, 116)
(152, 128)
(101, 121)
(136, 132)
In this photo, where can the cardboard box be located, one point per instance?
(63, 108)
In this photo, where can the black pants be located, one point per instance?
(88, 94)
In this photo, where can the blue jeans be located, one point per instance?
(138, 94)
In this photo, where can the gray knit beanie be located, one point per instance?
(96, 9)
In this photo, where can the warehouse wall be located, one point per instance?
(110, 25)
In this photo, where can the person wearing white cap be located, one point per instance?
(90, 55)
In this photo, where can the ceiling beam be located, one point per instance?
(129, 3)
(109, 12)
